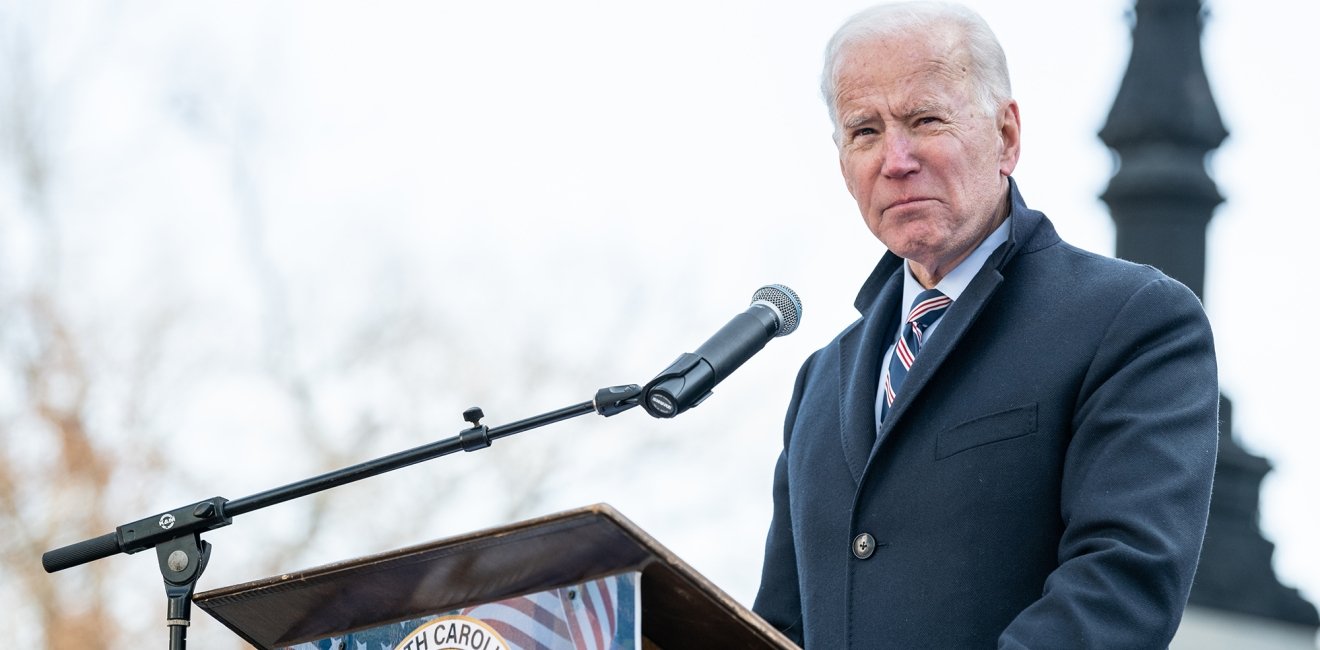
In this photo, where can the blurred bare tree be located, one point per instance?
(59, 474)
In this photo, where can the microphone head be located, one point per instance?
(785, 303)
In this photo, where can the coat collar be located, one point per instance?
(862, 347)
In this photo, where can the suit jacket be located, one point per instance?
(1042, 480)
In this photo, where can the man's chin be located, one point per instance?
(913, 239)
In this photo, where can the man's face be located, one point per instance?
(927, 166)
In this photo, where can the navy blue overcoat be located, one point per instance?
(1043, 479)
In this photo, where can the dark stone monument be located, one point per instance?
(1163, 124)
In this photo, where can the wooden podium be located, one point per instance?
(680, 609)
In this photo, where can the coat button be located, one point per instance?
(863, 546)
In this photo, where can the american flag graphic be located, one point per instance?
(580, 617)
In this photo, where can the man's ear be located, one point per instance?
(1010, 137)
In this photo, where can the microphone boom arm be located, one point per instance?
(176, 534)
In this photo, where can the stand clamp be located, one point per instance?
(182, 561)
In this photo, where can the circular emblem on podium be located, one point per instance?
(453, 633)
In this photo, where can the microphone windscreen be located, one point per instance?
(785, 302)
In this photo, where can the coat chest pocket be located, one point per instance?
(995, 427)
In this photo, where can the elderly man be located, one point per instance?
(1014, 444)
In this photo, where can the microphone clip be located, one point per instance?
(616, 399)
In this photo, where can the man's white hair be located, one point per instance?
(989, 69)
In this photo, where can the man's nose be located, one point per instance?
(899, 158)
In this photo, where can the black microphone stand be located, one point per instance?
(177, 535)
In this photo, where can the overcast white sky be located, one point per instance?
(551, 170)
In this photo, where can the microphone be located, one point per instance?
(775, 311)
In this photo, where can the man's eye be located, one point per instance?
(927, 120)
(864, 131)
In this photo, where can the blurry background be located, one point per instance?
(243, 243)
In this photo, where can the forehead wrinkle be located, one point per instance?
(872, 106)
(919, 107)
(935, 66)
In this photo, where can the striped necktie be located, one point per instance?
(926, 309)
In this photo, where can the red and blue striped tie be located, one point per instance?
(926, 309)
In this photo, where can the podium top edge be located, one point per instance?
(594, 514)
(498, 562)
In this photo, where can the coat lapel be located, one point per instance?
(861, 349)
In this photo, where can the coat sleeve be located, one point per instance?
(1136, 481)
(779, 599)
